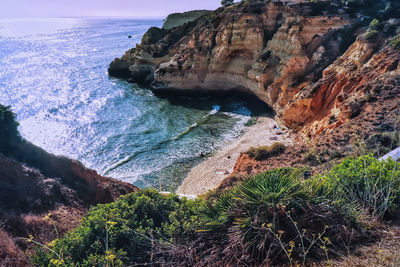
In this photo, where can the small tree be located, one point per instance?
(375, 24)
(8, 129)
(227, 2)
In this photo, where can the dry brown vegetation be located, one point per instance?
(384, 252)
(10, 254)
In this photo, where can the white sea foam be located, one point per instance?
(57, 83)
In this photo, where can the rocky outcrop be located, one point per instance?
(240, 56)
(329, 76)
(259, 48)
(178, 19)
(347, 85)
(353, 108)
(88, 185)
(294, 56)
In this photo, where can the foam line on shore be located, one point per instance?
(202, 120)
(128, 158)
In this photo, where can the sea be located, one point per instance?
(53, 74)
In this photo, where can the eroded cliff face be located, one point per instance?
(239, 55)
(355, 79)
(271, 50)
(354, 108)
(329, 77)
(299, 58)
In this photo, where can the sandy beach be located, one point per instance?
(210, 173)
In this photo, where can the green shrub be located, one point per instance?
(275, 187)
(153, 35)
(372, 184)
(375, 24)
(311, 155)
(275, 217)
(125, 232)
(383, 143)
(272, 217)
(395, 42)
(251, 122)
(370, 34)
(8, 129)
(227, 2)
(264, 152)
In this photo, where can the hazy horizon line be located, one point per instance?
(91, 16)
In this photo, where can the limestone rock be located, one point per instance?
(300, 58)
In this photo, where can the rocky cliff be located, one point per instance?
(329, 71)
(253, 47)
(306, 60)
(354, 107)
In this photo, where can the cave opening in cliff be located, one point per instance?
(227, 101)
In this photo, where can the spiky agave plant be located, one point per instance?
(266, 201)
(218, 215)
(253, 212)
(272, 187)
(273, 217)
(276, 187)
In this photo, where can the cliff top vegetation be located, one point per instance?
(275, 217)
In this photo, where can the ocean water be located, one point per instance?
(53, 73)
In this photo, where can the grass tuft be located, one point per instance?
(265, 152)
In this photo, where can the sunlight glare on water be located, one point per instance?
(53, 73)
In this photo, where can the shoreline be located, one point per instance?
(210, 173)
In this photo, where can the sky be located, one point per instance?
(104, 8)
